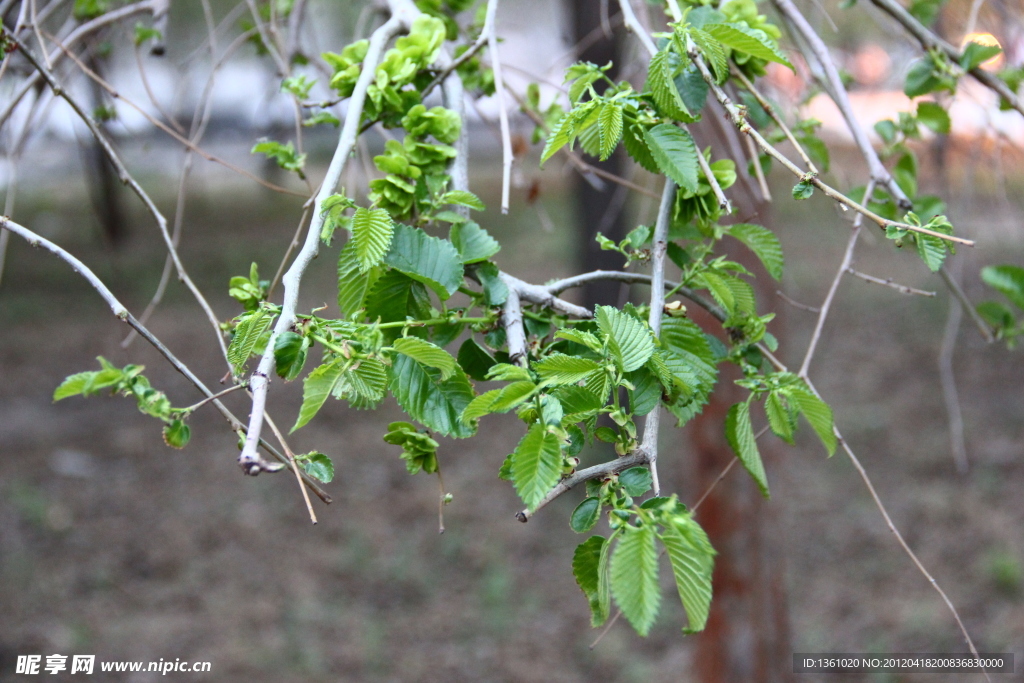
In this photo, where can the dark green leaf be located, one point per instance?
(475, 360)
(636, 481)
(586, 561)
(975, 55)
(495, 289)
(583, 519)
(473, 243)
(803, 190)
(318, 466)
(427, 398)
(427, 354)
(675, 154)
(933, 116)
(290, 354)
(745, 39)
(430, 260)
(763, 243)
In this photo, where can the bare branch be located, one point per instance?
(889, 282)
(512, 320)
(779, 121)
(119, 310)
(839, 95)
(649, 445)
(499, 94)
(796, 304)
(249, 459)
(931, 41)
(961, 296)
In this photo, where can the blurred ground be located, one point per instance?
(111, 543)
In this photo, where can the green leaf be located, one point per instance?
(975, 55)
(559, 368)
(583, 519)
(817, 412)
(285, 155)
(250, 328)
(693, 562)
(475, 359)
(428, 399)
(803, 190)
(317, 386)
(473, 243)
(366, 383)
(675, 153)
(317, 465)
(499, 400)
(636, 481)
(629, 340)
(430, 260)
(921, 79)
(495, 289)
(609, 122)
(745, 39)
(427, 354)
(603, 583)
(933, 116)
(740, 435)
(646, 391)
(1006, 279)
(578, 403)
(462, 198)
(713, 50)
(634, 577)
(73, 385)
(372, 230)
(586, 561)
(177, 434)
(692, 88)
(394, 297)
(581, 337)
(780, 417)
(763, 243)
(536, 465)
(352, 282)
(636, 145)
(558, 137)
(290, 354)
(661, 83)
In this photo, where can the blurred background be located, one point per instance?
(113, 544)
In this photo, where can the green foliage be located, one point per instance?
(674, 153)
(419, 451)
(536, 464)
(317, 465)
(285, 155)
(740, 434)
(634, 577)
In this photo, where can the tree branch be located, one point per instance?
(249, 460)
(512, 320)
(119, 310)
(888, 282)
(931, 41)
(837, 90)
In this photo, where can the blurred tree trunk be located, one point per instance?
(598, 203)
(747, 636)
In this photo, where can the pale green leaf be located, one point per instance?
(247, 335)
(692, 560)
(817, 412)
(661, 83)
(352, 282)
(427, 354)
(73, 385)
(372, 230)
(610, 126)
(317, 386)
(780, 417)
(1006, 279)
(536, 465)
(462, 198)
(740, 434)
(630, 340)
(559, 368)
(634, 577)
(749, 40)
(714, 52)
(763, 243)
(499, 400)
(585, 516)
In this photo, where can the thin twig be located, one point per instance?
(947, 378)
(843, 267)
(295, 467)
(961, 296)
(779, 121)
(659, 242)
(839, 95)
(127, 179)
(723, 201)
(196, 406)
(930, 41)
(122, 313)
(634, 27)
(755, 161)
(899, 537)
(499, 94)
(889, 282)
(796, 304)
(249, 459)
